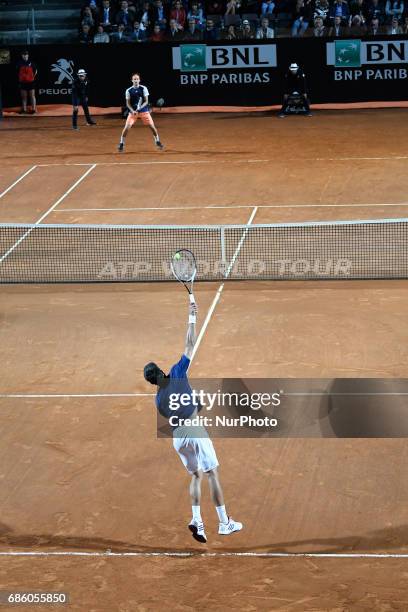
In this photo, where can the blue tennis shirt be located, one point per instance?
(179, 385)
(136, 95)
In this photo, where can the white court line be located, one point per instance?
(153, 162)
(221, 288)
(109, 553)
(3, 193)
(229, 161)
(232, 206)
(20, 240)
(46, 395)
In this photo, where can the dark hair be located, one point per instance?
(152, 372)
(135, 74)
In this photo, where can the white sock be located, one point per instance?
(222, 514)
(197, 514)
(122, 141)
(157, 138)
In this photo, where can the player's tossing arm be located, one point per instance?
(191, 331)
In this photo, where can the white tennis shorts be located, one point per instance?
(195, 453)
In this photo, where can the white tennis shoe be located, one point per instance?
(230, 527)
(197, 529)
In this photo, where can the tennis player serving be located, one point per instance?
(137, 102)
(197, 453)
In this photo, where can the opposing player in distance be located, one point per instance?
(137, 102)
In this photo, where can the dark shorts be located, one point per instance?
(27, 86)
(79, 100)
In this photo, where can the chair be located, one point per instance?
(232, 20)
(252, 18)
(217, 19)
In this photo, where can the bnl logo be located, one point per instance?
(199, 58)
(354, 53)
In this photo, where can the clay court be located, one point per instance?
(82, 472)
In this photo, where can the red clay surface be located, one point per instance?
(88, 474)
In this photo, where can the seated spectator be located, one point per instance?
(138, 34)
(374, 28)
(87, 18)
(92, 6)
(175, 31)
(178, 13)
(265, 31)
(192, 32)
(119, 36)
(394, 28)
(230, 34)
(233, 7)
(101, 36)
(267, 7)
(125, 15)
(145, 15)
(157, 34)
(215, 7)
(197, 14)
(357, 27)
(321, 9)
(301, 17)
(357, 7)
(106, 15)
(394, 8)
(210, 31)
(405, 26)
(246, 32)
(340, 9)
(337, 28)
(159, 15)
(319, 29)
(85, 34)
(375, 9)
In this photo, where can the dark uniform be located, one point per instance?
(295, 86)
(80, 89)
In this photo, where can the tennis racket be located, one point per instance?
(184, 267)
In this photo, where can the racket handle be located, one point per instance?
(192, 300)
(192, 319)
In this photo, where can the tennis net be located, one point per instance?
(103, 253)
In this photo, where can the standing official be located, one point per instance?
(80, 88)
(26, 73)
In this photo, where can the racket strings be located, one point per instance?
(184, 266)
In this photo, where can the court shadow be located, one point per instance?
(10, 539)
(380, 540)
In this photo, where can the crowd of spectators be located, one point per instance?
(138, 21)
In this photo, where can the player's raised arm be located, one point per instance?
(191, 331)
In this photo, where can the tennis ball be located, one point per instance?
(177, 256)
